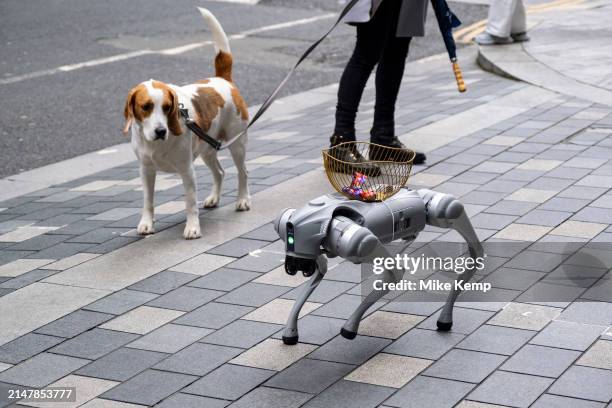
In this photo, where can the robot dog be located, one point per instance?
(334, 225)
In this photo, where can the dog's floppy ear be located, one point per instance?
(128, 111)
(174, 123)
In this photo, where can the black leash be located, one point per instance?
(268, 102)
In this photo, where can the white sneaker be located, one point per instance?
(490, 39)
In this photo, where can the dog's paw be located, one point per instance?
(211, 201)
(145, 227)
(243, 204)
(192, 231)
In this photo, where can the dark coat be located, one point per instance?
(411, 19)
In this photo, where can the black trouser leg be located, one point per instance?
(388, 81)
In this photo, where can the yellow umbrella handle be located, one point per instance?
(459, 77)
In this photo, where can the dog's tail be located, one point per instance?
(223, 60)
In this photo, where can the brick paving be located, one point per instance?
(134, 321)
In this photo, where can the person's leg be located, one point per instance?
(388, 81)
(501, 13)
(518, 29)
(359, 68)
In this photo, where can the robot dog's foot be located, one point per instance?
(443, 326)
(290, 341)
(347, 334)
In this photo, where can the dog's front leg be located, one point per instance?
(192, 227)
(147, 174)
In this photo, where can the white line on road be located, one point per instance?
(168, 51)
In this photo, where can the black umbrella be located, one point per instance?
(447, 21)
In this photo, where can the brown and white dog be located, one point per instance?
(161, 142)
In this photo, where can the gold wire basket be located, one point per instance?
(382, 172)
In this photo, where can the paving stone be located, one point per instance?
(149, 387)
(598, 356)
(388, 324)
(70, 261)
(355, 351)
(21, 266)
(86, 389)
(122, 364)
(272, 354)
(41, 370)
(214, 315)
(585, 383)
(573, 275)
(94, 344)
(496, 339)
(203, 264)
(308, 375)
(121, 302)
(260, 260)
(325, 292)
(163, 282)
(142, 320)
(518, 390)
(525, 316)
(191, 401)
(473, 404)
(539, 164)
(224, 279)
(531, 195)
(264, 233)
(170, 338)
(237, 247)
(253, 294)
(548, 401)
(80, 227)
(265, 397)
(242, 333)
(543, 217)
(568, 335)
(389, 370)
(4, 367)
(511, 207)
(26, 279)
(198, 359)
(430, 392)
(523, 232)
(465, 321)
(40, 242)
(424, 344)
(343, 307)
(229, 382)
(596, 313)
(26, 346)
(62, 250)
(579, 229)
(277, 311)
(350, 394)
(74, 323)
(114, 214)
(185, 298)
(516, 279)
(463, 365)
(278, 276)
(541, 361)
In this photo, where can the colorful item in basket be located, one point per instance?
(356, 190)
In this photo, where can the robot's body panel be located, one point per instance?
(399, 217)
(333, 225)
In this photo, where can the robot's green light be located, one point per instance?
(290, 240)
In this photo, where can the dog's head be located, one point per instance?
(154, 107)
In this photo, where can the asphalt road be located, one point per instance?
(47, 115)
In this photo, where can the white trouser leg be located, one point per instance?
(519, 20)
(501, 14)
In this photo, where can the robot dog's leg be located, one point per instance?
(350, 328)
(290, 334)
(445, 211)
